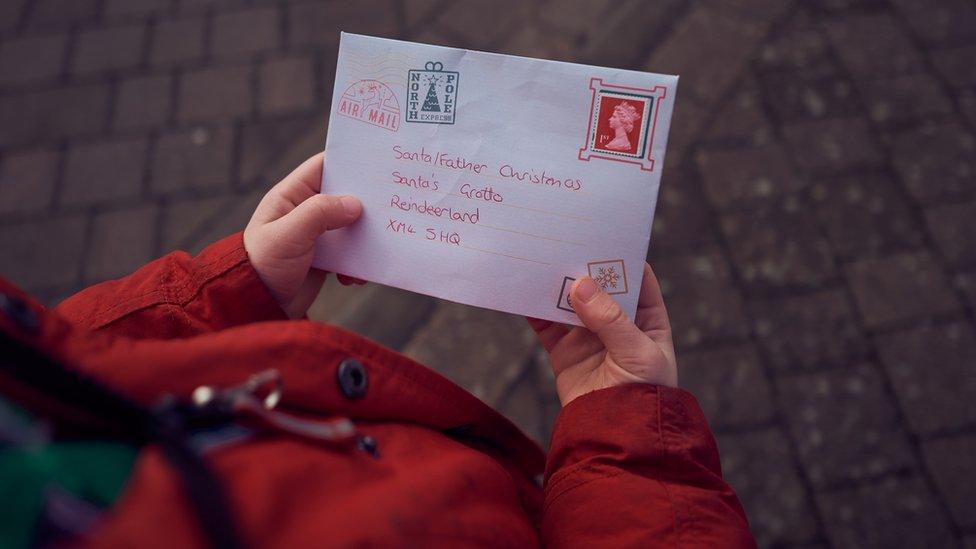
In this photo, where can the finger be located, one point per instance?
(651, 312)
(316, 215)
(602, 315)
(549, 332)
(302, 183)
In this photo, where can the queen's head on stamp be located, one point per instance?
(622, 121)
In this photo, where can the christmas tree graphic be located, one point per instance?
(431, 104)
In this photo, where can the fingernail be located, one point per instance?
(586, 289)
(351, 205)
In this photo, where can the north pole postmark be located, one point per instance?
(432, 94)
(373, 102)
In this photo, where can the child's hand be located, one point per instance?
(280, 238)
(611, 350)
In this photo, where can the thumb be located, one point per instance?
(602, 315)
(315, 215)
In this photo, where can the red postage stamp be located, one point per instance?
(373, 102)
(622, 123)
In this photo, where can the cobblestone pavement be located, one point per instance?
(815, 237)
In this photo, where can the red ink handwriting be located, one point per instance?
(539, 178)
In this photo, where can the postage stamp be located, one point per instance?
(373, 102)
(622, 123)
(609, 275)
(564, 302)
(432, 94)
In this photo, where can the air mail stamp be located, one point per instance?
(622, 123)
(432, 94)
(373, 102)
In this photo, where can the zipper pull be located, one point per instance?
(254, 401)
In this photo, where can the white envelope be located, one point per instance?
(493, 180)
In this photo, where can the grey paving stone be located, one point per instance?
(779, 247)
(463, 343)
(27, 179)
(760, 468)
(286, 85)
(953, 227)
(703, 302)
(845, 425)
(177, 41)
(215, 93)
(899, 288)
(872, 44)
(199, 158)
(967, 283)
(741, 119)
(196, 6)
(895, 512)
(55, 263)
(246, 32)
(808, 332)
(525, 405)
(389, 316)
(468, 16)
(831, 146)
(708, 49)
(121, 242)
(263, 142)
(798, 45)
(10, 13)
(183, 220)
(930, 368)
(805, 95)
(49, 114)
(231, 217)
(950, 462)
(143, 102)
(864, 215)
(317, 23)
(114, 8)
(748, 176)
(911, 97)
(936, 162)
(104, 171)
(109, 48)
(729, 385)
(955, 65)
(686, 124)
(533, 41)
(621, 38)
(32, 59)
(681, 220)
(61, 12)
(946, 21)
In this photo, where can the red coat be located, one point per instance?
(631, 466)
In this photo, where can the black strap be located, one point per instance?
(123, 419)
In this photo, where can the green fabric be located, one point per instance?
(95, 471)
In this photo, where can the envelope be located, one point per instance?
(493, 180)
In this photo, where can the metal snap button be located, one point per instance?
(19, 312)
(352, 378)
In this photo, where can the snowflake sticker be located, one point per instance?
(609, 275)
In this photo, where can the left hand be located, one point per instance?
(612, 349)
(280, 238)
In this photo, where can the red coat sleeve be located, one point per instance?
(636, 466)
(178, 296)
